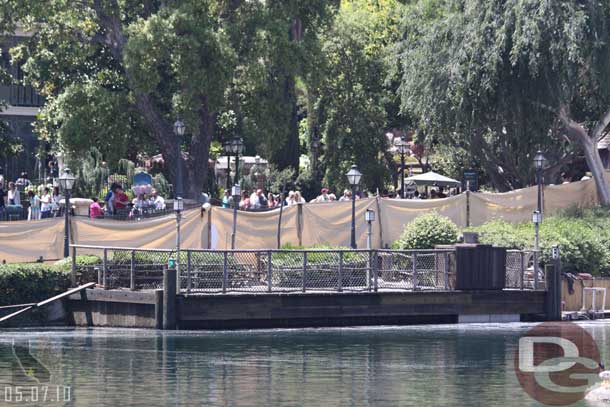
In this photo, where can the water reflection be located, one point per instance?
(424, 366)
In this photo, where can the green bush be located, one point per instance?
(26, 283)
(584, 239)
(427, 231)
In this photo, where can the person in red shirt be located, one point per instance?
(95, 210)
(121, 200)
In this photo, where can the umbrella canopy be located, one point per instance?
(432, 178)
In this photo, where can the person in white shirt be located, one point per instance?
(298, 199)
(158, 201)
(12, 195)
(46, 204)
(347, 196)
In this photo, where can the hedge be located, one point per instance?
(26, 283)
(426, 232)
(583, 238)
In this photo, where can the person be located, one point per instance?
(23, 180)
(108, 198)
(416, 195)
(95, 210)
(433, 194)
(441, 193)
(244, 204)
(46, 204)
(262, 202)
(120, 200)
(55, 199)
(140, 203)
(290, 198)
(2, 196)
(271, 203)
(34, 211)
(347, 196)
(332, 197)
(13, 195)
(204, 198)
(254, 204)
(157, 200)
(298, 199)
(324, 196)
(226, 199)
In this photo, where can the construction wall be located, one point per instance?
(301, 225)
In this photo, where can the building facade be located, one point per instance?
(23, 106)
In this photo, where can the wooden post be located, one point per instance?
(300, 224)
(169, 299)
(158, 309)
(468, 207)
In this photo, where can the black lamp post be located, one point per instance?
(227, 147)
(353, 178)
(179, 129)
(539, 161)
(236, 147)
(403, 148)
(66, 181)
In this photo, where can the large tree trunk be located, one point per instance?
(578, 134)
(199, 155)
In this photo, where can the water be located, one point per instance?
(451, 365)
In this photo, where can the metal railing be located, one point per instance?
(269, 271)
(520, 270)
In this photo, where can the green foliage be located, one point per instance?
(489, 76)
(584, 240)
(427, 231)
(26, 283)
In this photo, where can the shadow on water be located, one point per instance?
(424, 366)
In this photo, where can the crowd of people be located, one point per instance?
(117, 203)
(41, 203)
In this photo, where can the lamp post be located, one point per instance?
(539, 161)
(353, 178)
(237, 147)
(402, 147)
(179, 129)
(178, 208)
(369, 216)
(227, 147)
(66, 180)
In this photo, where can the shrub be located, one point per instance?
(427, 231)
(584, 240)
(25, 283)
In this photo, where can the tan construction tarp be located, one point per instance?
(27, 241)
(302, 225)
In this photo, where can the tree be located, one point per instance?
(504, 78)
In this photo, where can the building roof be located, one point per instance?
(604, 142)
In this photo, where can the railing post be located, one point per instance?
(132, 271)
(369, 271)
(340, 279)
(304, 272)
(225, 272)
(99, 275)
(522, 270)
(536, 269)
(414, 271)
(73, 271)
(374, 270)
(446, 270)
(105, 270)
(188, 272)
(269, 271)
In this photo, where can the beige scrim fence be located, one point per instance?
(301, 225)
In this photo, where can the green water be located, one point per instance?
(451, 365)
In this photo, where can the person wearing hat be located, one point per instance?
(323, 197)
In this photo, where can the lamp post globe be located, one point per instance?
(353, 178)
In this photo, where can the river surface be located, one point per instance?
(448, 365)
